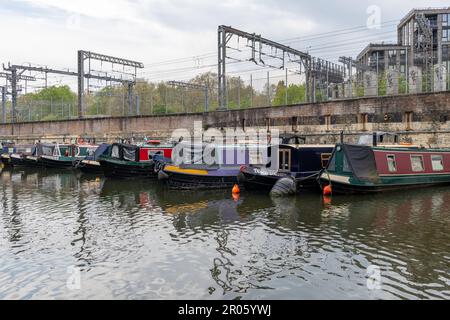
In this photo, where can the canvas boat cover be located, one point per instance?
(101, 150)
(361, 160)
(125, 152)
(42, 149)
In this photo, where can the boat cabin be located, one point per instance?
(73, 150)
(303, 158)
(134, 153)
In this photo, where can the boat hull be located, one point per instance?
(256, 181)
(6, 160)
(340, 187)
(17, 161)
(32, 162)
(90, 167)
(56, 164)
(123, 169)
(188, 179)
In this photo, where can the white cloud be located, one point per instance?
(43, 31)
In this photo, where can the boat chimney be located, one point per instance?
(375, 139)
(342, 137)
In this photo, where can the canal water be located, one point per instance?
(68, 236)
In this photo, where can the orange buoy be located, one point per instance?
(236, 189)
(236, 197)
(327, 191)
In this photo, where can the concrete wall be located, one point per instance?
(423, 118)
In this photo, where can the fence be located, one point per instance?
(250, 91)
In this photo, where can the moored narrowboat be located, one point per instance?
(39, 150)
(7, 149)
(197, 175)
(91, 164)
(128, 161)
(17, 158)
(371, 169)
(302, 162)
(66, 155)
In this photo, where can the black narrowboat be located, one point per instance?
(302, 162)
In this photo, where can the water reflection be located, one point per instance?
(137, 239)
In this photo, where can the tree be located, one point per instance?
(295, 94)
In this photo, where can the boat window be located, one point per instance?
(417, 163)
(47, 151)
(115, 152)
(152, 153)
(285, 160)
(325, 159)
(346, 166)
(392, 164)
(438, 162)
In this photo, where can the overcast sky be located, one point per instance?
(49, 32)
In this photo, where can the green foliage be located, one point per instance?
(50, 117)
(54, 93)
(382, 84)
(402, 86)
(295, 94)
(360, 92)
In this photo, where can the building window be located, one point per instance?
(446, 20)
(392, 164)
(392, 54)
(446, 35)
(438, 163)
(446, 52)
(409, 120)
(417, 164)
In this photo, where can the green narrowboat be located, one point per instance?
(65, 156)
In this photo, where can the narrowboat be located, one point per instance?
(198, 175)
(300, 161)
(39, 150)
(128, 161)
(66, 155)
(7, 149)
(91, 164)
(17, 158)
(370, 169)
(5, 159)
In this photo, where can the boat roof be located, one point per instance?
(306, 146)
